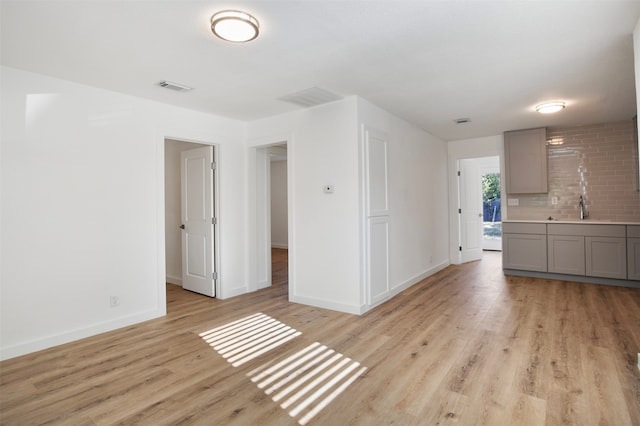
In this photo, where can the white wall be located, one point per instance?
(83, 208)
(172, 212)
(325, 243)
(418, 198)
(324, 254)
(457, 150)
(279, 216)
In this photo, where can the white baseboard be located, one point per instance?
(326, 304)
(406, 284)
(81, 333)
(174, 280)
(233, 292)
(280, 246)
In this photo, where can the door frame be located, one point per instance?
(489, 146)
(162, 219)
(259, 212)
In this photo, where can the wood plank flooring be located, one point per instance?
(467, 346)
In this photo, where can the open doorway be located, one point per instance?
(479, 207)
(190, 239)
(269, 231)
(279, 216)
(491, 204)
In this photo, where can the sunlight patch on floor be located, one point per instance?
(245, 339)
(307, 381)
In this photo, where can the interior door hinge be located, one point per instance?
(460, 211)
(214, 220)
(458, 172)
(213, 166)
(214, 275)
(460, 248)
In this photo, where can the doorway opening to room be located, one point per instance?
(479, 207)
(269, 231)
(491, 211)
(279, 217)
(191, 236)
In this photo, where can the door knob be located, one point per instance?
(182, 226)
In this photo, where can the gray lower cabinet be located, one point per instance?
(524, 246)
(606, 257)
(580, 249)
(566, 254)
(591, 250)
(633, 252)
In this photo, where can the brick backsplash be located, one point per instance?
(599, 162)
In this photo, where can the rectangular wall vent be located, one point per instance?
(462, 120)
(175, 86)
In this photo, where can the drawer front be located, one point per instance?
(524, 228)
(586, 230)
(633, 231)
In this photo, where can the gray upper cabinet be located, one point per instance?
(526, 161)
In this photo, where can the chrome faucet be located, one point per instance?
(583, 209)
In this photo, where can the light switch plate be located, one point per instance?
(554, 200)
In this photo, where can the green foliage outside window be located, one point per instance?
(491, 186)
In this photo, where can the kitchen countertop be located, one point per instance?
(579, 222)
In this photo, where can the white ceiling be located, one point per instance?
(428, 62)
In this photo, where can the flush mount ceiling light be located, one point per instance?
(234, 26)
(550, 107)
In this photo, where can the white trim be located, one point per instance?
(232, 292)
(279, 246)
(407, 284)
(327, 304)
(202, 139)
(174, 280)
(77, 334)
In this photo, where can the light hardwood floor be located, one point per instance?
(467, 346)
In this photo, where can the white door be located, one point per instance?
(198, 265)
(470, 182)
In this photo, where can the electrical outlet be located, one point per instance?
(513, 202)
(114, 301)
(554, 200)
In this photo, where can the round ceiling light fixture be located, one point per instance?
(550, 107)
(235, 26)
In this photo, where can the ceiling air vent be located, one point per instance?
(175, 86)
(311, 97)
(462, 120)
